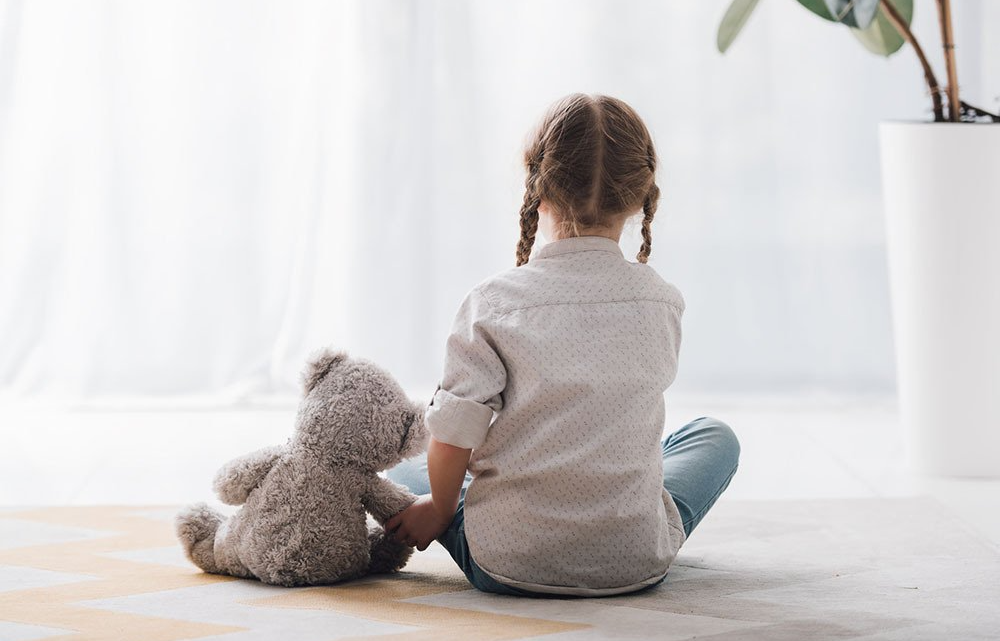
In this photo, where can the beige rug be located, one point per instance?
(852, 569)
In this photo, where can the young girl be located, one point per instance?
(552, 393)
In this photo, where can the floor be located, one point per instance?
(822, 534)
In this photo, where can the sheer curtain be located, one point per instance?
(194, 195)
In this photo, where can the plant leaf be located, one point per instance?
(733, 21)
(853, 13)
(881, 37)
(818, 7)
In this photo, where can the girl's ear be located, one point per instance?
(319, 365)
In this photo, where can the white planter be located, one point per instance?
(941, 184)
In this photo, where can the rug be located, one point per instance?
(888, 569)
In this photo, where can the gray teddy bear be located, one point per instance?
(303, 518)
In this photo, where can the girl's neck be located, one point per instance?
(590, 231)
(554, 231)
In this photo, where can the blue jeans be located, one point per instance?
(699, 460)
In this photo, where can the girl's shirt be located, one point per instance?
(554, 375)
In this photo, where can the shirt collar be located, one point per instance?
(578, 244)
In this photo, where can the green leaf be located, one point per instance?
(881, 37)
(736, 16)
(818, 7)
(853, 13)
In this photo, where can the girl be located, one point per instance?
(552, 393)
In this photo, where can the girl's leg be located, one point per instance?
(412, 473)
(457, 545)
(699, 460)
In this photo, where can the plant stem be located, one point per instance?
(948, 42)
(900, 25)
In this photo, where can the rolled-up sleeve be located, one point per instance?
(474, 376)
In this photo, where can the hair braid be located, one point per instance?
(529, 217)
(648, 211)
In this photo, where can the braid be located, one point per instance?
(648, 211)
(529, 217)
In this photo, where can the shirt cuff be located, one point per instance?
(458, 421)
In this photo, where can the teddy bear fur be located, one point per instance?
(303, 520)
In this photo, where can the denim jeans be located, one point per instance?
(699, 460)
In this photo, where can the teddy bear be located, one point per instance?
(303, 520)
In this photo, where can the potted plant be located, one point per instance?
(941, 188)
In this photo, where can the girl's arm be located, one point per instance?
(431, 514)
(458, 419)
(446, 466)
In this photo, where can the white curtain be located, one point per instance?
(194, 195)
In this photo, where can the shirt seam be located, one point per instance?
(500, 315)
(489, 304)
(618, 253)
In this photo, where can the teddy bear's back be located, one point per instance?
(304, 525)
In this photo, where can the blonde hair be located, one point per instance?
(591, 159)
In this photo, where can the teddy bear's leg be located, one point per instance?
(206, 538)
(227, 551)
(203, 533)
(387, 554)
(208, 542)
(196, 527)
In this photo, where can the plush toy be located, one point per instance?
(303, 517)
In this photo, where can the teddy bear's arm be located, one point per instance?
(234, 482)
(383, 499)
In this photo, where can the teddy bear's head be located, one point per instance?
(354, 413)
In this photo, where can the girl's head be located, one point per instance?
(591, 164)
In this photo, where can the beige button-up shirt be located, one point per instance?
(554, 375)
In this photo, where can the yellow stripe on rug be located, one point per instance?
(124, 529)
(56, 606)
(384, 599)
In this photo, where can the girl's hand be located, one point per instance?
(418, 524)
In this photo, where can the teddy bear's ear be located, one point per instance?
(415, 438)
(319, 365)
